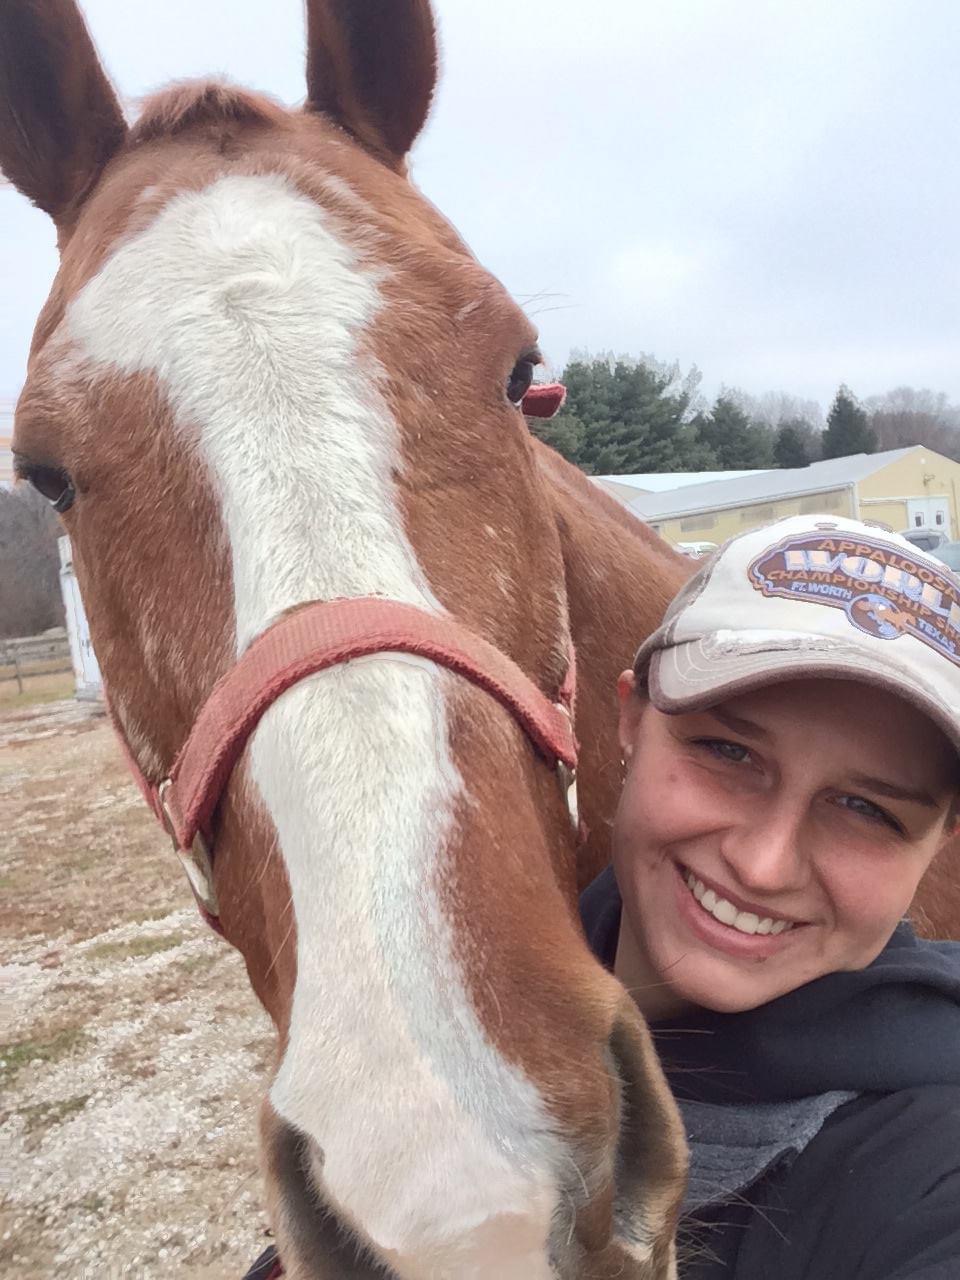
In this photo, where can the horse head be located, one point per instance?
(269, 373)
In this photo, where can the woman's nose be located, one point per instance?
(766, 852)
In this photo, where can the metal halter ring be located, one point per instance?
(567, 777)
(196, 860)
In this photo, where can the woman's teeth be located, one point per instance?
(727, 913)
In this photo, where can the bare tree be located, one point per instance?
(911, 415)
(30, 600)
(774, 408)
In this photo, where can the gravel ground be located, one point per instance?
(132, 1053)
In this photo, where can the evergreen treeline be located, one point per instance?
(628, 414)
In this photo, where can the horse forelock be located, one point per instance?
(189, 103)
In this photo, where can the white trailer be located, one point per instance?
(86, 669)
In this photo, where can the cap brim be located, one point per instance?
(699, 673)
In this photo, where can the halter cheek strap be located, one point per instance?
(313, 638)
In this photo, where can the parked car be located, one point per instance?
(949, 553)
(926, 539)
(696, 550)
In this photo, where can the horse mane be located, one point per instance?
(188, 103)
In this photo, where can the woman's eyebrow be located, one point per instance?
(738, 724)
(894, 792)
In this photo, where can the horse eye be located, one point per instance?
(52, 483)
(518, 384)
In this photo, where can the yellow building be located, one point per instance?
(6, 437)
(902, 489)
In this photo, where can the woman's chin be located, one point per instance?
(700, 982)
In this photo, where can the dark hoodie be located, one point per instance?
(825, 1125)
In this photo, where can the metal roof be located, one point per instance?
(661, 481)
(764, 486)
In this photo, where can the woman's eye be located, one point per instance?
(724, 750)
(52, 483)
(867, 809)
(521, 377)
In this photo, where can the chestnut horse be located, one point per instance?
(269, 373)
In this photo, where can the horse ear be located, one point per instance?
(60, 121)
(372, 67)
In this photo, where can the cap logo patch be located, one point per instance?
(883, 591)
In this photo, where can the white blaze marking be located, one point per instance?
(248, 305)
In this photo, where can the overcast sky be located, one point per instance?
(769, 189)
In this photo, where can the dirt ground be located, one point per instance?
(132, 1052)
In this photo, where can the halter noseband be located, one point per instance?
(313, 638)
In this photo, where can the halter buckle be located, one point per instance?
(567, 777)
(196, 860)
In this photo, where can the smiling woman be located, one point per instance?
(788, 825)
(791, 738)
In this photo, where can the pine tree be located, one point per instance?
(633, 417)
(796, 444)
(563, 433)
(735, 441)
(848, 428)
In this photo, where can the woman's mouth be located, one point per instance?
(727, 913)
(735, 928)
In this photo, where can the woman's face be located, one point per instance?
(774, 838)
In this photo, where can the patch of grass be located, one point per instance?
(70, 986)
(84, 862)
(201, 960)
(136, 947)
(44, 1115)
(37, 667)
(147, 917)
(37, 689)
(22, 1053)
(92, 1203)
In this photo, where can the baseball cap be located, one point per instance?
(811, 596)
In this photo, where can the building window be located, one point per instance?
(750, 514)
(939, 517)
(697, 523)
(918, 521)
(821, 502)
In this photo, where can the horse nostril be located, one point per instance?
(312, 1239)
(651, 1157)
(624, 1221)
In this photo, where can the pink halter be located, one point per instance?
(313, 638)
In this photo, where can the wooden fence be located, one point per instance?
(34, 656)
